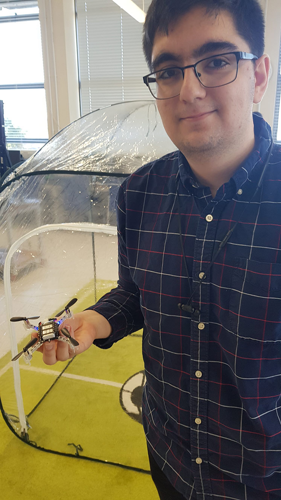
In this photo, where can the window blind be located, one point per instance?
(110, 57)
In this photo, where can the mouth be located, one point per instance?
(198, 116)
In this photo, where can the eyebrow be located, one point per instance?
(204, 50)
(214, 46)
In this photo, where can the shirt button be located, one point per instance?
(201, 326)
(198, 421)
(199, 460)
(209, 218)
(202, 276)
(198, 374)
(240, 191)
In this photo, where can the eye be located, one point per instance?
(217, 63)
(168, 73)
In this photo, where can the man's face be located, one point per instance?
(203, 120)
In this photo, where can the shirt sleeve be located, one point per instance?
(121, 306)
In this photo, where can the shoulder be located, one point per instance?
(276, 153)
(148, 182)
(144, 191)
(274, 163)
(158, 172)
(271, 192)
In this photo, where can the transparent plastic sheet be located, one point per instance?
(117, 139)
(58, 241)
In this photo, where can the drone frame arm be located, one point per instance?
(68, 314)
(29, 326)
(29, 352)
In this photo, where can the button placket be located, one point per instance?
(206, 232)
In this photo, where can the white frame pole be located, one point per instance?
(80, 227)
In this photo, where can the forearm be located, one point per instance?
(121, 309)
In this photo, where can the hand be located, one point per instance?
(85, 327)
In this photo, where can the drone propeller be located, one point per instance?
(22, 318)
(67, 334)
(70, 304)
(30, 344)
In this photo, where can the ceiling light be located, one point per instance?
(132, 9)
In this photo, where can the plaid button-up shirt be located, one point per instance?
(212, 402)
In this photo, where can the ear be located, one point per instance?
(262, 70)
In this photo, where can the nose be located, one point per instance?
(191, 88)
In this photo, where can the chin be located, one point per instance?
(198, 147)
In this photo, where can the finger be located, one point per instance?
(33, 336)
(64, 351)
(49, 353)
(72, 324)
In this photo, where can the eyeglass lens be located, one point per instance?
(214, 71)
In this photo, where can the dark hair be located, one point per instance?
(247, 17)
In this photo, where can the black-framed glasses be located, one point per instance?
(214, 71)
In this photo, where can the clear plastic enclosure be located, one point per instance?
(58, 241)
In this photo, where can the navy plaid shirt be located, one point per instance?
(212, 402)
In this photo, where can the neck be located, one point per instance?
(217, 169)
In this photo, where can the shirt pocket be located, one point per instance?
(255, 300)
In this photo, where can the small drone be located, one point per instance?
(47, 331)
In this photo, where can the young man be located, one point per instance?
(200, 262)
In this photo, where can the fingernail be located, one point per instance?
(48, 346)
